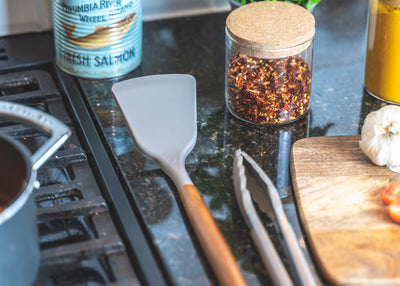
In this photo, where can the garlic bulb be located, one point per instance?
(380, 136)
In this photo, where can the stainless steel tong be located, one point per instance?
(251, 183)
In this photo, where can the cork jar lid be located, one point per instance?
(271, 29)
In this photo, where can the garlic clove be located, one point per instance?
(395, 168)
(380, 136)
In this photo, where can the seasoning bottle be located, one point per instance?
(269, 51)
(382, 67)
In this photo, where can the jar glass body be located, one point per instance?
(268, 87)
(382, 65)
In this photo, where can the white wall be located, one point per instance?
(159, 9)
(17, 16)
(21, 16)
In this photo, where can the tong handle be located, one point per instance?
(300, 262)
(268, 253)
(210, 237)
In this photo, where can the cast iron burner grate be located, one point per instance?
(78, 240)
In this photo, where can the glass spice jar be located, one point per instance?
(269, 52)
(382, 65)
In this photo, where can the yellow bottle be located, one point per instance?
(382, 69)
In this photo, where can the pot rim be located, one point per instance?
(21, 198)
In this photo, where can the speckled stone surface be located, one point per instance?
(196, 45)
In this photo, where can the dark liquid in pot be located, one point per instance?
(6, 198)
(14, 171)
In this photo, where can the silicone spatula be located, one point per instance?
(160, 112)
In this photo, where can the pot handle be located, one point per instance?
(59, 132)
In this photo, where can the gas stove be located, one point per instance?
(88, 232)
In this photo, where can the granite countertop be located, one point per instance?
(196, 45)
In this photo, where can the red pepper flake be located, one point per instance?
(268, 91)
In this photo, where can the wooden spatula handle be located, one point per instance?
(210, 237)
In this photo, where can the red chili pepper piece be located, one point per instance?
(268, 91)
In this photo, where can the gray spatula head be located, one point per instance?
(160, 111)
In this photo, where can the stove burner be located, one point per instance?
(90, 231)
(78, 239)
(15, 87)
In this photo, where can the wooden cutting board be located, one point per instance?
(337, 191)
